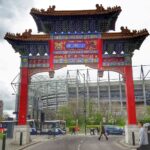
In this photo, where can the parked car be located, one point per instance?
(147, 125)
(56, 131)
(114, 130)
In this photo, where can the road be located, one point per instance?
(78, 143)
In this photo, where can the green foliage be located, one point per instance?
(94, 119)
(114, 119)
(70, 122)
(145, 118)
(1, 136)
(120, 121)
(74, 117)
(1, 118)
(148, 110)
(93, 126)
(68, 113)
(81, 120)
(71, 127)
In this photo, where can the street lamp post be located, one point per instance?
(16, 104)
(84, 105)
(83, 75)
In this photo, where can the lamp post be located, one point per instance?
(16, 104)
(84, 105)
(84, 99)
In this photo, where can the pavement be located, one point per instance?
(123, 144)
(72, 142)
(35, 140)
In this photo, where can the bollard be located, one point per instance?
(4, 142)
(21, 135)
(133, 138)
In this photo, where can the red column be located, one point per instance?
(23, 97)
(130, 103)
(51, 57)
(100, 53)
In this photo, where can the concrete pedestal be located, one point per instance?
(131, 133)
(21, 135)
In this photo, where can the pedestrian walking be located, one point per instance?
(92, 131)
(97, 130)
(102, 132)
(143, 137)
(74, 130)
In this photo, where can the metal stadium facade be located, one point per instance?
(50, 94)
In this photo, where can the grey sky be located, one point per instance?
(15, 17)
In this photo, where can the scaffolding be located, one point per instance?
(85, 85)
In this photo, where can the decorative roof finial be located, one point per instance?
(125, 30)
(51, 9)
(99, 7)
(27, 33)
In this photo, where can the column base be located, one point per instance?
(131, 131)
(24, 129)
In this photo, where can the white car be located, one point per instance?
(146, 124)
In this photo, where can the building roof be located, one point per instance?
(124, 42)
(100, 10)
(100, 19)
(124, 34)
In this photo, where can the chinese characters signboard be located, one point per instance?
(75, 51)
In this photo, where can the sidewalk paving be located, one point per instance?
(122, 143)
(35, 139)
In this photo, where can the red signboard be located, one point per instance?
(76, 51)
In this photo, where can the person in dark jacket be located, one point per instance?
(92, 131)
(73, 130)
(102, 132)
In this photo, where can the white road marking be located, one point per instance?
(81, 141)
(79, 146)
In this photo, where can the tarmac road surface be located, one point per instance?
(79, 143)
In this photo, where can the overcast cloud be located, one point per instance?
(15, 17)
(10, 12)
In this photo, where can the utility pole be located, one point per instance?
(120, 93)
(109, 94)
(143, 85)
(77, 90)
(84, 105)
(98, 94)
(87, 88)
(56, 96)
